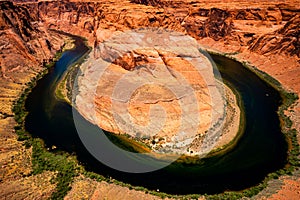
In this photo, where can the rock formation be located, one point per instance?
(285, 40)
(147, 69)
(264, 28)
(264, 33)
(25, 44)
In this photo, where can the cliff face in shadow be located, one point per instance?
(285, 40)
(265, 29)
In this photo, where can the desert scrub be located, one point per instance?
(42, 160)
(63, 164)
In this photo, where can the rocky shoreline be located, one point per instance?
(232, 125)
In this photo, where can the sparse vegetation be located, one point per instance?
(19, 108)
(63, 164)
(64, 88)
(162, 195)
(127, 143)
(67, 167)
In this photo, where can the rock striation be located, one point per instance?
(155, 86)
(285, 40)
(254, 26)
(26, 44)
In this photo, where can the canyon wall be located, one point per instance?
(262, 33)
(247, 26)
(25, 45)
(261, 26)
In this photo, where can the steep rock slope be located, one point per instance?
(285, 40)
(253, 25)
(25, 44)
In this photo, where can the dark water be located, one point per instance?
(261, 150)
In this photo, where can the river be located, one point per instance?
(261, 149)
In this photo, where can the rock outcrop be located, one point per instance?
(264, 28)
(285, 40)
(237, 24)
(25, 45)
(25, 38)
(137, 73)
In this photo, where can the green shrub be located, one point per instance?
(66, 169)
(42, 160)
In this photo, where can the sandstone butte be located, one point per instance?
(131, 77)
(262, 33)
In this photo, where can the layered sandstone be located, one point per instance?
(25, 45)
(162, 92)
(250, 25)
(241, 23)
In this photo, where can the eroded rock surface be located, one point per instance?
(260, 26)
(163, 91)
(285, 40)
(25, 45)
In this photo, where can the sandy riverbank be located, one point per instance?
(232, 121)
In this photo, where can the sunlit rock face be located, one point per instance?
(284, 40)
(154, 86)
(246, 24)
(25, 45)
(264, 27)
